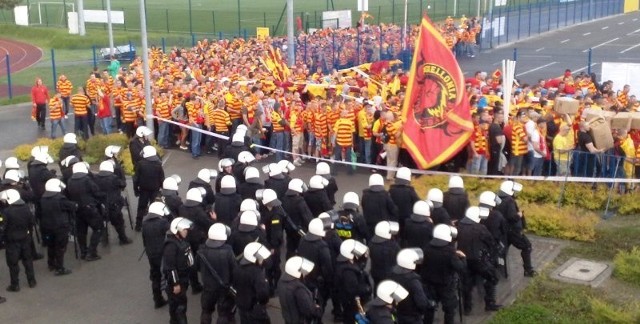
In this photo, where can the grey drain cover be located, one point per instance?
(582, 271)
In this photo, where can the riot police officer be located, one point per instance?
(14, 179)
(111, 153)
(171, 195)
(137, 144)
(228, 201)
(323, 169)
(377, 205)
(247, 189)
(244, 160)
(218, 263)
(18, 224)
(351, 223)
(404, 273)
(316, 197)
(193, 210)
(177, 261)
(383, 249)
(276, 181)
(225, 167)
(155, 226)
(275, 219)
(475, 241)
(495, 223)
(418, 228)
(246, 232)
(66, 167)
(83, 191)
(11, 163)
(39, 174)
(455, 200)
(147, 181)
(440, 267)
(439, 214)
(388, 295)
(403, 195)
(351, 280)
(111, 185)
(203, 180)
(237, 146)
(252, 286)
(56, 224)
(296, 300)
(313, 248)
(298, 212)
(69, 147)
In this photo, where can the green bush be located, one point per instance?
(525, 314)
(604, 312)
(560, 222)
(627, 266)
(96, 145)
(23, 152)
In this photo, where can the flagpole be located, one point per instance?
(404, 29)
(508, 70)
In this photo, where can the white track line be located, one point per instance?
(633, 32)
(628, 49)
(586, 34)
(536, 69)
(564, 41)
(584, 68)
(605, 27)
(602, 44)
(539, 49)
(621, 23)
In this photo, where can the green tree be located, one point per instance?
(9, 4)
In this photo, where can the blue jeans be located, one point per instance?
(337, 152)
(196, 138)
(364, 146)
(536, 166)
(163, 134)
(479, 165)
(54, 123)
(278, 143)
(105, 123)
(287, 141)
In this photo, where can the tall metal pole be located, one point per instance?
(239, 23)
(190, 19)
(291, 59)
(145, 64)
(81, 30)
(404, 28)
(110, 27)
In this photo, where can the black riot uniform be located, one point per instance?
(110, 184)
(147, 182)
(300, 215)
(220, 257)
(247, 190)
(440, 215)
(135, 148)
(118, 170)
(55, 225)
(351, 225)
(154, 231)
(209, 197)
(475, 241)
(378, 312)
(194, 211)
(439, 270)
(296, 301)
(23, 187)
(499, 229)
(377, 206)
(331, 189)
(67, 171)
(275, 221)
(69, 149)
(351, 281)
(253, 293)
(173, 201)
(316, 250)
(411, 309)
(177, 261)
(279, 184)
(417, 231)
(219, 179)
(383, 253)
(243, 235)
(456, 202)
(515, 235)
(227, 207)
(318, 201)
(238, 171)
(233, 150)
(38, 177)
(404, 196)
(83, 191)
(18, 224)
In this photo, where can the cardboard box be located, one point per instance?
(590, 114)
(565, 105)
(601, 133)
(635, 120)
(620, 120)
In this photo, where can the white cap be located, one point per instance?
(422, 207)
(390, 291)
(318, 182)
(376, 180)
(322, 168)
(106, 166)
(274, 170)
(196, 194)
(149, 151)
(387, 229)
(224, 163)
(270, 198)
(70, 138)
(238, 137)
(159, 208)
(41, 149)
(54, 185)
(249, 219)
(178, 224)
(44, 158)
(219, 232)
(408, 258)
(445, 232)
(249, 204)
(254, 252)
(298, 266)
(13, 175)
(488, 198)
(170, 183)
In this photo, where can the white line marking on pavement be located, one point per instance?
(633, 32)
(584, 68)
(539, 49)
(166, 158)
(602, 44)
(630, 48)
(586, 34)
(531, 55)
(536, 69)
(564, 41)
(605, 27)
(621, 23)
(634, 19)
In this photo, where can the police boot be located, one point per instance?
(124, 240)
(92, 254)
(490, 299)
(159, 301)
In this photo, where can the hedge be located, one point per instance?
(627, 266)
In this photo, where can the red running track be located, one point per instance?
(21, 56)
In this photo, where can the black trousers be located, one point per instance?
(209, 299)
(114, 211)
(155, 275)
(129, 129)
(446, 295)
(484, 270)
(522, 243)
(86, 217)
(178, 304)
(256, 315)
(56, 242)
(41, 114)
(17, 251)
(144, 200)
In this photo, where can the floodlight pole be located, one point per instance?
(145, 65)
(81, 29)
(404, 28)
(291, 54)
(110, 28)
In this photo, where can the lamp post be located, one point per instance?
(145, 64)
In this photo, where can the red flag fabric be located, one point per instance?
(436, 108)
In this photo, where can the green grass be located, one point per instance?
(172, 16)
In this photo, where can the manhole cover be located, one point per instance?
(582, 270)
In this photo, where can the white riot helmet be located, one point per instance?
(11, 163)
(178, 224)
(44, 158)
(80, 168)
(509, 187)
(238, 137)
(248, 221)
(445, 232)
(422, 208)
(403, 176)
(297, 185)
(149, 151)
(37, 150)
(69, 161)
(473, 214)
(316, 227)
(274, 170)
(435, 196)
(318, 182)
(171, 182)
(350, 200)
(112, 150)
(54, 185)
(489, 199)
(251, 175)
(12, 176)
(376, 180)
(285, 166)
(456, 183)
(224, 163)
(241, 128)
(323, 169)
(70, 138)
(106, 166)
(298, 267)
(207, 175)
(143, 131)
(228, 185)
(249, 204)
(409, 258)
(219, 232)
(270, 198)
(196, 194)
(246, 157)
(351, 249)
(11, 196)
(387, 229)
(390, 291)
(159, 208)
(255, 252)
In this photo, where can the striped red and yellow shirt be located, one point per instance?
(234, 106)
(221, 120)
(80, 104)
(275, 121)
(518, 140)
(55, 109)
(392, 129)
(92, 88)
(320, 127)
(161, 108)
(344, 129)
(480, 144)
(64, 87)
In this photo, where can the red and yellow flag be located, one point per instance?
(436, 109)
